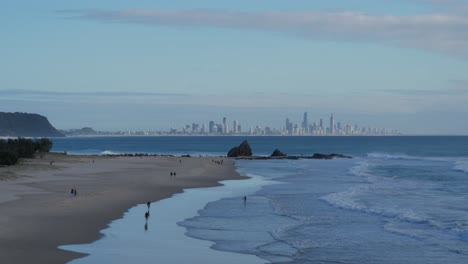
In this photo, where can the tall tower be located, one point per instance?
(235, 127)
(289, 126)
(225, 126)
(211, 127)
(332, 124)
(305, 123)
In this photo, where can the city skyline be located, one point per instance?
(290, 128)
(126, 65)
(222, 127)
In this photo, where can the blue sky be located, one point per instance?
(160, 64)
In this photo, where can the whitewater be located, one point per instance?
(399, 200)
(378, 208)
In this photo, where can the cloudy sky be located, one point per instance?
(149, 64)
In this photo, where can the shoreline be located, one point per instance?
(38, 213)
(163, 232)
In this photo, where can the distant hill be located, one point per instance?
(85, 131)
(26, 125)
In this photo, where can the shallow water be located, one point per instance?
(127, 241)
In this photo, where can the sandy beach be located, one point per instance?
(38, 212)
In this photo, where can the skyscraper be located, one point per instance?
(235, 127)
(332, 124)
(289, 127)
(305, 123)
(225, 126)
(212, 127)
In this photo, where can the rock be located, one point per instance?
(330, 156)
(278, 153)
(243, 150)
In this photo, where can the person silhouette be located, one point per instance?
(148, 204)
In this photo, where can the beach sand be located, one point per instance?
(38, 212)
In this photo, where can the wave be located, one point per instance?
(347, 200)
(109, 152)
(402, 156)
(461, 165)
(375, 184)
(381, 155)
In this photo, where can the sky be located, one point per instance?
(153, 65)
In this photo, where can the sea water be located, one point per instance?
(399, 200)
(159, 239)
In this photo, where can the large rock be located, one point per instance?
(329, 156)
(278, 153)
(243, 150)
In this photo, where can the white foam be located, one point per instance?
(402, 156)
(461, 165)
(109, 152)
(381, 155)
(349, 199)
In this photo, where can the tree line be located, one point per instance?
(12, 150)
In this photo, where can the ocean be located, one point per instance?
(399, 200)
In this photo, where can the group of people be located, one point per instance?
(73, 192)
(219, 162)
(173, 174)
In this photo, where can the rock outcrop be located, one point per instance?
(329, 156)
(243, 150)
(278, 153)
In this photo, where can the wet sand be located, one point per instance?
(38, 213)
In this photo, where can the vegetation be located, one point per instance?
(12, 150)
(26, 125)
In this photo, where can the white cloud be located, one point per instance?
(445, 32)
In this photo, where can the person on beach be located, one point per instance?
(146, 215)
(72, 192)
(174, 174)
(148, 204)
(171, 173)
(180, 161)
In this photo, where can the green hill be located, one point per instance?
(26, 125)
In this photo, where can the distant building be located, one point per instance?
(212, 127)
(235, 127)
(332, 125)
(289, 127)
(195, 127)
(305, 123)
(203, 129)
(225, 126)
